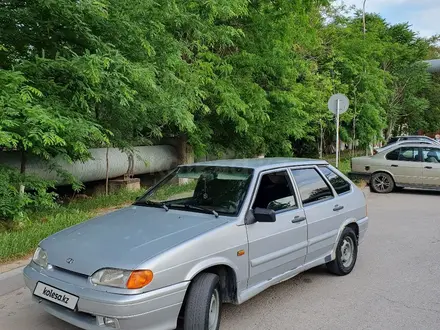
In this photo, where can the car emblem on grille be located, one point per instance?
(69, 261)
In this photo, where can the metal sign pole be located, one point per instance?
(338, 104)
(337, 133)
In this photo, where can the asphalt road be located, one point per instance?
(395, 284)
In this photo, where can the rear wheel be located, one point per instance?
(346, 253)
(203, 303)
(382, 183)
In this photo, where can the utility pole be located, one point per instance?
(363, 19)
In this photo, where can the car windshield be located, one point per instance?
(207, 189)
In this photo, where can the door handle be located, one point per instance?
(338, 208)
(394, 165)
(298, 219)
(428, 167)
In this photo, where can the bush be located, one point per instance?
(15, 205)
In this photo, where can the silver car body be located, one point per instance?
(419, 173)
(179, 244)
(426, 141)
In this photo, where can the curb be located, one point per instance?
(11, 281)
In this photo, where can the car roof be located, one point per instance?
(412, 136)
(409, 144)
(261, 164)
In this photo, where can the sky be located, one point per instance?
(423, 15)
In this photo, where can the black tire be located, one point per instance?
(198, 303)
(339, 266)
(382, 183)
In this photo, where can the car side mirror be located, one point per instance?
(264, 215)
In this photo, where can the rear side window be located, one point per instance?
(405, 154)
(311, 185)
(409, 154)
(339, 184)
(393, 155)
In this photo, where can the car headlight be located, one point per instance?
(40, 257)
(120, 278)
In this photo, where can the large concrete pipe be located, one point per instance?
(146, 159)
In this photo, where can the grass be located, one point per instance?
(344, 162)
(21, 241)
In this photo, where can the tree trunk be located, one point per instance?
(23, 169)
(353, 144)
(23, 162)
(106, 172)
(321, 145)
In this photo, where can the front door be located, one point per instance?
(431, 167)
(278, 247)
(405, 165)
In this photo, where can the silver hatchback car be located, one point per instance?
(209, 233)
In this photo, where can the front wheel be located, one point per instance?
(203, 305)
(346, 253)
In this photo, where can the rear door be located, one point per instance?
(431, 167)
(324, 211)
(278, 247)
(405, 165)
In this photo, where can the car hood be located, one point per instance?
(125, 238)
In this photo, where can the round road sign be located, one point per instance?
(343, 103)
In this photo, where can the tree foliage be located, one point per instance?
(252, 76)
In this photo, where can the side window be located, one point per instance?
(393, 155)
(275, 192)
(431, 155)
(339, 184)
(409, 154)
(311, 185)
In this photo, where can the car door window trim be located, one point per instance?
(292, 187)
(328, 181)
(314, 167)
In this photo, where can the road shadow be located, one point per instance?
(298, 282)
(413, 191)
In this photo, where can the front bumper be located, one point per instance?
(359, 176)
(155, 310)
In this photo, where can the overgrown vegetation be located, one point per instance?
(14, 204)
(25, 235)
(249, 76)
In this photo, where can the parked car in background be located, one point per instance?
(415, 165)
(415, 138)
(209, 233)
(403, 143)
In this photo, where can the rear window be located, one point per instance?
(339, 184)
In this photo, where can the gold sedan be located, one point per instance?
(412, 165)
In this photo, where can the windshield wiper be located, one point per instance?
(152, 203)
(198, 208)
